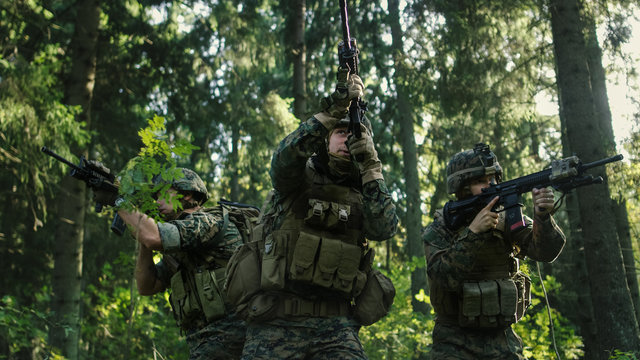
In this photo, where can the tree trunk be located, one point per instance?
(615, 318)
(298, 54)
(67, 272)
(624, 234)
(404, 118)
(603, 111)
(234, 181)
(571, 270)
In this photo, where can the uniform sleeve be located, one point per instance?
(451, 255)
(380, 219)
(194, 233)
(542, 242)
(290, 158)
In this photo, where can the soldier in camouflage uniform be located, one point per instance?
(477, 290)
(196, 243)
(325, 207)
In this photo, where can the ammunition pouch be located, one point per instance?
(493, 303)
(196, 298)
(328, 263)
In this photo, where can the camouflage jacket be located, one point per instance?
(191, 240)
(293, 161)
(452, 254)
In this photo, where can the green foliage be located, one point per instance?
(402, 334)
(623, 355)
(157, 159)
(125, 325)
(23, 329)
(535, 331)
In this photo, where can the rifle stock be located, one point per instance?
(563, 175)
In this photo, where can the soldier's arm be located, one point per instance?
(380, 219)
(542, 240)
(451, 256)
(146, 274)
(143, 228)
(193, 233)
(290, 158)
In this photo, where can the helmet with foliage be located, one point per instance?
(189, 182)
(470, 164)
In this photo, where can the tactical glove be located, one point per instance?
(370, 167)
(336, 105)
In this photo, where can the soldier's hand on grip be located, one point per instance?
(486, 218)
(348, 87)
(543, 201)
(363, 148)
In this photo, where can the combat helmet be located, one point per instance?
(189, 182)
(471, 164)
(344, 122)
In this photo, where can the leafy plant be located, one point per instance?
(150, 174)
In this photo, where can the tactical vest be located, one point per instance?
(196, 285)
(308, 258)
(493, 294)
(318, 248)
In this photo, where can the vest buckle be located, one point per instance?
(317, 209)
(343, 215)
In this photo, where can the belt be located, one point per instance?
(296, 306)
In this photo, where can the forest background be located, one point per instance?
(234, 77)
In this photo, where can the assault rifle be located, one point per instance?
(348, 59)
(96, 179)
(563, 175)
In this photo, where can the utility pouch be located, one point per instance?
(327, 215)
(338, 216)
(184, 301)
(328, 260)
(471, 304)
(209, 294)
(347, 268)
(262, 307)
(274, 260)
(375, 299)
(243, 274)
(508, 300)
(490, 304)
(317, 213)
(304, 255)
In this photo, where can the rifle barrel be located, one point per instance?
(346, 36)
(602, 161)
(59, 158)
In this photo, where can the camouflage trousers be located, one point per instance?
(309, 338)
(452, 342)
(221, 339)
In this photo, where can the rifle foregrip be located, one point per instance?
(117, 225)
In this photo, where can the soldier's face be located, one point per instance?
(480, 183)
(337, 142)
(164, 205)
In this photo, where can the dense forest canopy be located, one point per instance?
(232, 78)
